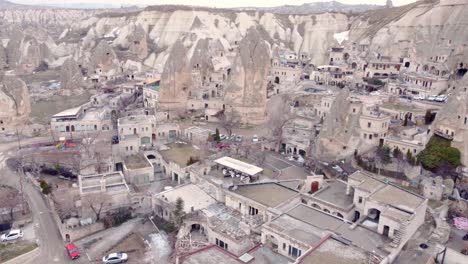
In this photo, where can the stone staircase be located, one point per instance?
(399, 235)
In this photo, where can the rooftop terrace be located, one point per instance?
(268, 194)
(136, 161)
(180, 153)
(335, 193)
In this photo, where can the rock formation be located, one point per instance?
(453, 118)
(71, 77)
(247, 90)
(103, 58)
(175, 79)
(14, 97)
(339, 134)
(3, 58)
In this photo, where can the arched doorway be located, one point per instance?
(134, 131)
(357, 215)
(373, 214)
(302, 152)
(73, 128)
(277, 80)
(353, 65)
(386, 230)
(316, 206)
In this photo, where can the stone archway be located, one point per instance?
(277, 80)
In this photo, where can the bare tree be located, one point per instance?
(96, 202)
(10, 199)
(228, 120)
(278, 116)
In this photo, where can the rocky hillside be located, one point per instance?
(143, 39)
(314, 8)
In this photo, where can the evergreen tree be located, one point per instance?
(179, 213)
(217, 137)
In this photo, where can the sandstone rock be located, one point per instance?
(71, 77)
(176, 78)
(3, 58)
(14, 97)
(453, 117)
(201, 57)
(103, 57)
(247, 90)
(339, 130)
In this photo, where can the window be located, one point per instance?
(294, 252)
(253, 211)
(240, 206)
(284, 246)
(221, 244)
(360, 199)
(365, 135)
(369, 124)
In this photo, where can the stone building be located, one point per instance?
(373, 126)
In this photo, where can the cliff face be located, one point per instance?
(419, 31)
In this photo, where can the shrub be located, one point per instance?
(438, 153)
(46, 189)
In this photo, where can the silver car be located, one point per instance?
(12, 235)
(113, 258)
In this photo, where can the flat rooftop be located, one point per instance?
(238, 165)
(366, 182)
(136, 161)
(313, 219)
(335, 252)
(335, 194)
(135, 119)
(226, 221)
(268, 194)
(215, 255)
(180, 153)
(69, 112)
(210, 255)
(113, 181)
(193, 196)
(398, 198)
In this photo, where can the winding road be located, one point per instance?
(51, 246)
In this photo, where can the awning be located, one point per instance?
(239, 166)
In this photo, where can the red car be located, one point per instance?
(72, 250)
(222, 146)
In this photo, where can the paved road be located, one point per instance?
(51, 246)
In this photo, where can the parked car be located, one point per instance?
(419, 97)
(238, 138)
(409, 97)
(222, 137)
(72, 251)
(112, 258)
(441, 98)
(12, 235)
(431, 98)
(255, 138)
